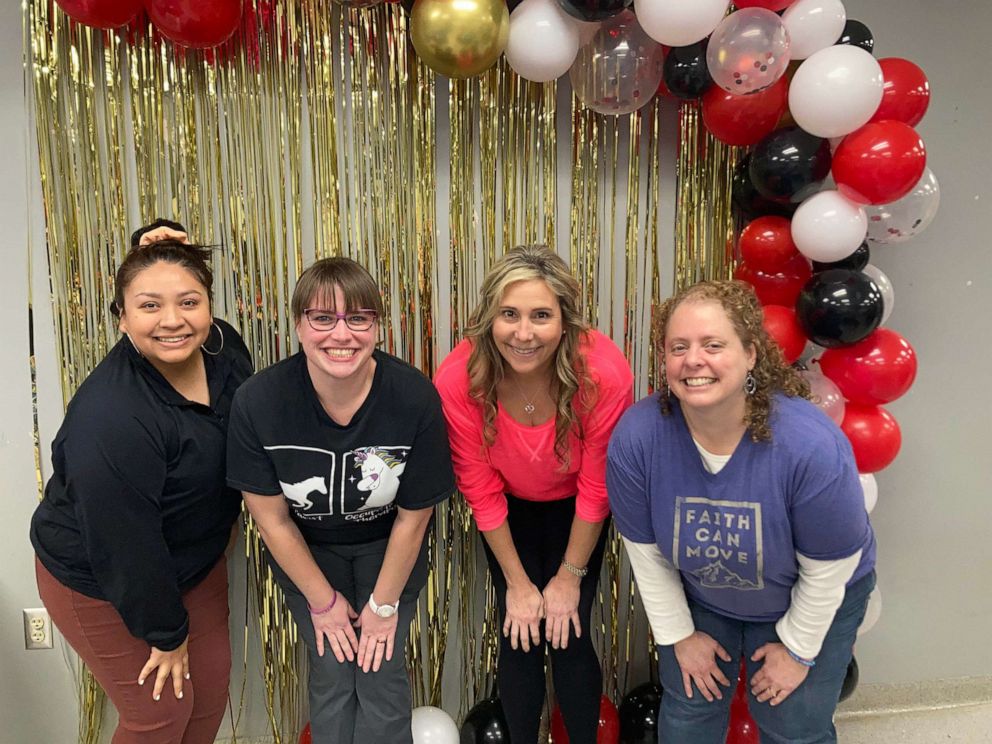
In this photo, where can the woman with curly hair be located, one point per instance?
(531, 397)
(744, 520)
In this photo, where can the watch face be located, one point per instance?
(385, 611)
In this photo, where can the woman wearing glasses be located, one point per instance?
(341, 454)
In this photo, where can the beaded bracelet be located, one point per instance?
(324, 610)
(796, 657)
(575, 570)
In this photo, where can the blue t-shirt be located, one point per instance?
(734, 535)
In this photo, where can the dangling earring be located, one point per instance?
(750, 384)
(221, 348)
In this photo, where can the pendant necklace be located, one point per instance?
(529, 406)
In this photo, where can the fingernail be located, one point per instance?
(141, 681)
(180, 695)
(186, 675)
(156, 697)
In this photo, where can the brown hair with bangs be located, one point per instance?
(317, 284)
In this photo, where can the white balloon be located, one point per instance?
(873, 612)
(869, 486)
(902, 219)
(814, 25)
(835, 91)
(679, 22)
(432, 725)
(543, 41)
(828, 227)
(885, 285)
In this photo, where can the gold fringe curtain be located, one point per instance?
(315, 133)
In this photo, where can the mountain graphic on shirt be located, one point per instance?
(717, 576)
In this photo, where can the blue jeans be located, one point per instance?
(805, 717)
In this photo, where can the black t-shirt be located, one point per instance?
(343, 483)
(136, 511)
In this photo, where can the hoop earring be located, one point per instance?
(133, 345)
(750, 384)
(221, 348)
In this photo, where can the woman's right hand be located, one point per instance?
(696, 656)
(336, 626)
(174, 663)
(163, 233)
(524, 610)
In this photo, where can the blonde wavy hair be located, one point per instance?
(771, 372)
(486, 366)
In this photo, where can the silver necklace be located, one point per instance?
(529, 406)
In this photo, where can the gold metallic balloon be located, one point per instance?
(459, 38)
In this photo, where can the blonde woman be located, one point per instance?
(531, 396)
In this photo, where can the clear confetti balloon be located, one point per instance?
(619, 70)
(902, 219)
(748, 51)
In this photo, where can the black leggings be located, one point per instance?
(540, 531)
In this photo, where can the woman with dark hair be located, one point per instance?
(741, 510)
(341, 454)
(531, 396)
(131, 534)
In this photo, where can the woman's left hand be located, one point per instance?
(561, 607)
(779, 676)
(376, 640)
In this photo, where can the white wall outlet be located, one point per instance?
(37, 629)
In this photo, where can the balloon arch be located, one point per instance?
(834, 170)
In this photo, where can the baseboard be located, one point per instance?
(884, 699)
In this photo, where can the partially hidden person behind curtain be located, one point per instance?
(531, 396)
(130, 537)
(341, 454)
(740, 508)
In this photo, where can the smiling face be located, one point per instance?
(528, 327)
(166, 314)
(340, 353)
(705, 361)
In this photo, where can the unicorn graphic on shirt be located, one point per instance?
(299, 493)
(381, 473)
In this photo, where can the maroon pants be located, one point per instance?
(95, 630)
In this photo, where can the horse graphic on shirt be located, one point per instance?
(299, 493)
(381, 473)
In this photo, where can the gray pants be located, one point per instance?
(347, 705)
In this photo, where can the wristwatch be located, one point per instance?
(383, 610)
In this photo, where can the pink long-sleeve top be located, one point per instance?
(522, 460)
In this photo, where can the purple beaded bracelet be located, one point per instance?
(324, 610)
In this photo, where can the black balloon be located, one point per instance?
(839, 307)
(857, 34)
(857, 260)
(790, 164)
(850, 680)
(748, 201)
(685, 72)
(594, 10)
(639, 714)
(485, 724)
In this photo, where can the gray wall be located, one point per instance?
(933, 509)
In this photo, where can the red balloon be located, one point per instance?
(780, 323)
(879, 163)
(305, 736)
(780, 286)
(905, 92)
(873, 371)
(196, 23)
(609, 724)
(766, 243)
(775, 5)
(874, 435)
(744, 120)
(742, 728)
(101, 13)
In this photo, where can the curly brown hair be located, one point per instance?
(486, 365)
(771, 372)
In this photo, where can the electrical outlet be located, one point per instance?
(37, 629)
